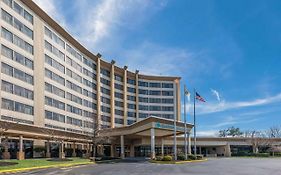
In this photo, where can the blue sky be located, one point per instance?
(228, 50)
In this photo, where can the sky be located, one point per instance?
(229, 51)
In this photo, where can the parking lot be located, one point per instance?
(214, 166)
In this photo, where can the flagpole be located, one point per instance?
(175, 137)
(185, 134)
(194, 122)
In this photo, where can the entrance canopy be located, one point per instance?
(163, 128)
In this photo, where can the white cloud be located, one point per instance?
(51, 8)
(208, 108)
(207, 133)
(217, 94)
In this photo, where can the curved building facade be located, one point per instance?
(49, 79)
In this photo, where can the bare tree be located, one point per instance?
(257, 139)
(274, 132)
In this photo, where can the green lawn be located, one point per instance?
(29, 163)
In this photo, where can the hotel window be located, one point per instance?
(143, 92)
(119, 121)
(141, 99)
(119, 112)
(131, 106)
(105, 72)
(21, 27)
(105, 81)
(28, 17)
(154, 92)
(7, 34)
(168, 100)
(118, 78)
(7, 52)
(131, 98)
(142, 83)
(74, 110)
(74, 121)
(23, 12)
(155, 100)
(105, 91)
(131, 114)
(8, 104)
(142, 107)
(130, 81)
(168, 116)
(155, 108)
(54, 64)
(118, 86)
(7, 17)
(130, 122)
(155, 85)
(167, 85)
(105, 100)
(7, 87)
(54, 116)
(132, 90)
(89, 63)
(6, 69)
(167, 108)
(105, 109)
(143, 115)
(18, 8)
(119, 103)
(167, 93)
(118, 95)
(105, 118)
(8, 2)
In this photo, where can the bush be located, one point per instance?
(181, 157)
(199, 157)
(277, 154)
(167, 158)
(191, 157)
(238, 154)
(159, 158)
(261, 154)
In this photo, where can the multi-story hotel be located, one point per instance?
(50, 83)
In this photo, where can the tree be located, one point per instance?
(231, 131)
(257, 139)
(274, 132)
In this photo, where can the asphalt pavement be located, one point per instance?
(214, 166)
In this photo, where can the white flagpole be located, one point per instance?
(185, 130)
(194, 122)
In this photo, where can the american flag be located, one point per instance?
(198, 97)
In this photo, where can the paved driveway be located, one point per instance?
(220, 166)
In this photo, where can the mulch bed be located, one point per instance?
(7, 163)
(59, 160)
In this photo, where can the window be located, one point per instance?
(130, 81)
(105, 91)
(7, 34)
(118, 86)
(8, 2)
(142, 107)
(131, 98)
(18, 8)
(6, 86)
(119, 121)
(155, 100)
(7, 17)
(155, 108)
(105, 72)
(131, 106)
(132, 90)
(54, 116)
(141, 99)
(168, 100)
(7, 104)
(167, 93)
(28, 17)
(142, 91)
(142, 83)
(167, 108)
(7, 52)
(155, 85)
(154, 92)
(118, 95)
(119, 112)
(118, 78)
(6, 69)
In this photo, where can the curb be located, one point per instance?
(44, 167)
(180, 162)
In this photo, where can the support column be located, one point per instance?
(122, 147)
(200, 150)
(112, 150)
(125, 95)
(112, 93)
(162, 147)
(48, 147)
(189, 143)
(98, 91)
(6, 153)
(227, 150)
(137, 95)
(132, 150)
(61, 150)
(20, 154)
(152, 142)
(73, 150)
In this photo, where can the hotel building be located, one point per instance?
(51, 85)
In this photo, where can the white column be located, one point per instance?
(21, 144)
(162, 147)
(122, 147)
(189, 143)
(152, 133)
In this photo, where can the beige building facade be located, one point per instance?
(50, 82)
